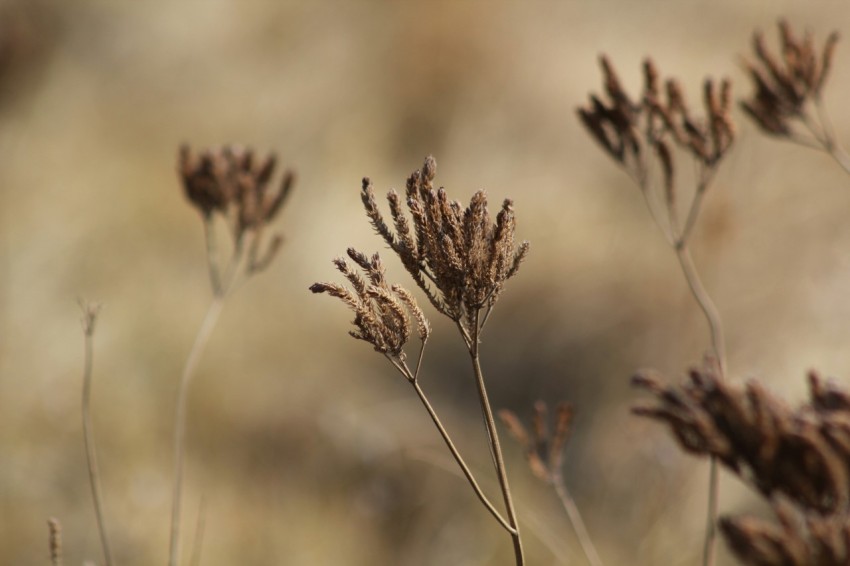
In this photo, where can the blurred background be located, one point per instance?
(305, 445)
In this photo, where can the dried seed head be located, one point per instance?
(803, 454)
(458, 251)
(382, 313)
(800, 539)
(219, 180)
(623, 128)
(783, 86)
(543, 451)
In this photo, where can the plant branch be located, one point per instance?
(201, 339)
(212, 255)
(575, 519)
(831, 143)
(200, 528)
(718, 346)
(459, 459)
(493, 434)
(89, 317)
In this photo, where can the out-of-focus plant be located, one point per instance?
(647, 136)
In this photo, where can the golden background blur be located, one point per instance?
(306, 446)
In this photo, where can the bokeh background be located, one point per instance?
(304, 444)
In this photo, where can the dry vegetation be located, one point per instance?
(793, 457)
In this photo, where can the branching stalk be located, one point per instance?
(718, 346)
(460, 462)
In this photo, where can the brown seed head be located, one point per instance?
(218, 179)
(457, 256)
(801, 453)
(381, 313)
(784, 85)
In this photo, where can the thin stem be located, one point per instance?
(712, 316)
(460, 462)
(198, 543)
(832, 145)
(693, 212)
(718, 343)
(493, 434)
(575, 519)
(201, 339)
(641, 178)
(212, 254)
(718, 346)
(90, 312)
(709, 548)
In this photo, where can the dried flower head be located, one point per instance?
(800, 539)
(626, 129)
(801, 453)
(543, 450)
(232, 181)
(382, 312)
(461, 252)
(785, 84)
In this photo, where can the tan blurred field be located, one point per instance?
(305, 445)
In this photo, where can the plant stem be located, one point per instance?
(495, 447)
(719, 349)
(212, 255)
(709, 547)
(712, 316)
(464, 468)
(88, 436)
(718, 342)
(197, 544)
(830, 142)
(575, 518)
(200, 343)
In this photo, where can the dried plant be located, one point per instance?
(55, 541)
(545, 454)
(460, 259)
(231, 183)
(787, 101)
(652, 133)
(800, 539)
(88, 321)
(459, 251)
(798, 458)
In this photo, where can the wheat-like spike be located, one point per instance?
(367, 195)
(377, 272)
(405, 247)
(518, 259)
(422, 325)
(353, 277)
(339, 292)
(396, 323)
(360, 259)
